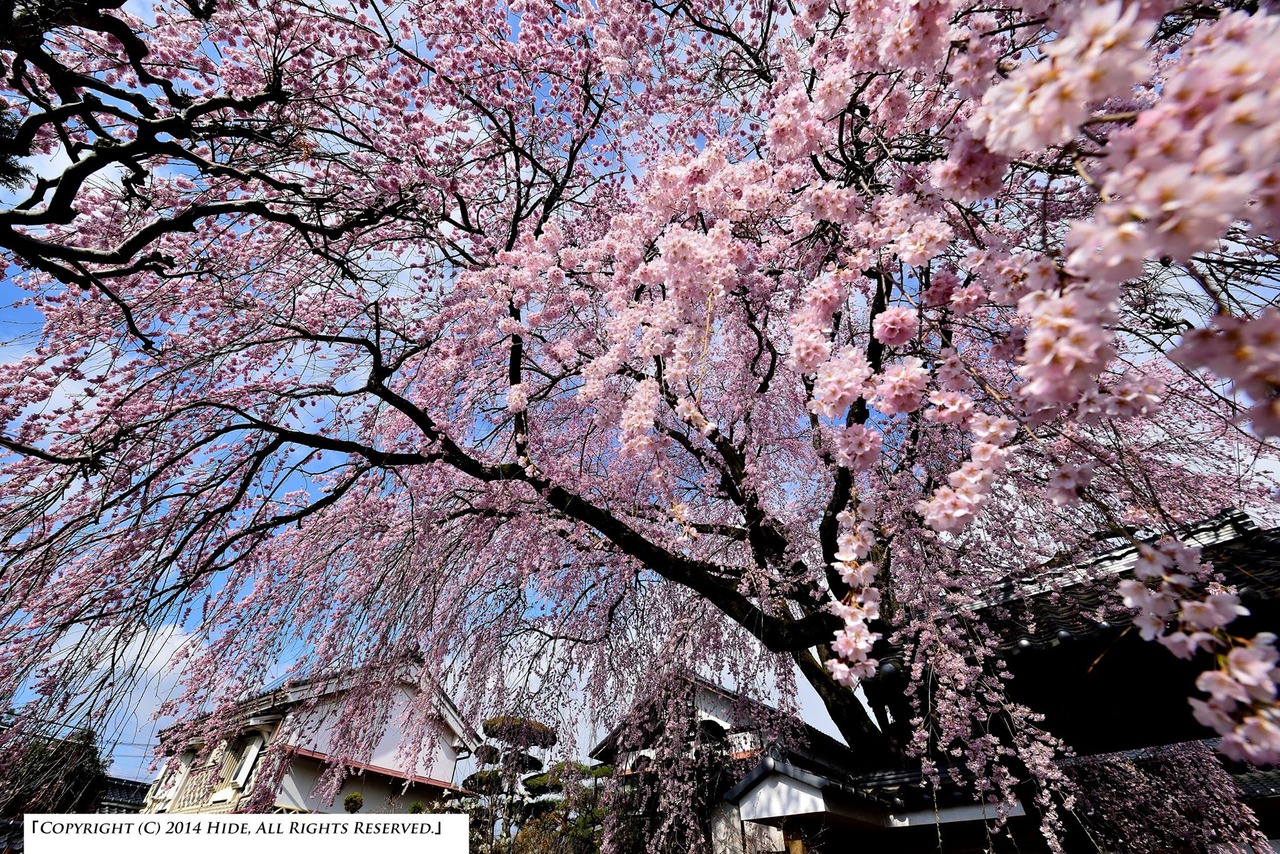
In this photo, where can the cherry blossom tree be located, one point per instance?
(543, 338)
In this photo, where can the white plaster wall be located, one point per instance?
(763, 839)
(313, 729)
(380, 794)
(731, 835)
(713, 706)
(778, 796)
(726, 830)
(968, 812)
(745, 742)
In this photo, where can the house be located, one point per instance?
(819, 804)
(47, 767)
(12, 840)
(739, 729)
(1066, 638)
(1074, 657)
(58, 769)
(741, 721)
(296, 724)
(790, 787)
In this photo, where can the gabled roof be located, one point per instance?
(810, 739)
(785, 785)
(280, 696)
(1079, 600)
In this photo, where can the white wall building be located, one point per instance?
(297, 723)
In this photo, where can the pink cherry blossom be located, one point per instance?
(840, 381)
(1247, 352)
(900, 388)
(1101, 55)
(950, 407)
(896, 326)
(858, 447)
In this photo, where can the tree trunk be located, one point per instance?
(873, 748)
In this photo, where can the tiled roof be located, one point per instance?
(122, 793)
(1072, 600)
(11, 841)
(902, 789)
(286, 692)
(1257, 784)
(1079, 600)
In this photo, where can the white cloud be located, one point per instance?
(141, 678)
(130, 735)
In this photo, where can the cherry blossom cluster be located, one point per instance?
(971, 172)
(1011, 276)
(853, 644)
(955, 730)
(1068, 482)
(1068, 342)
(901, 387)
(896, 325)
(637, 418)
(1134, 395)
(1204, 156)
(952, 508)
(912, 228)
(857, 446)
(1044, 101)
(810, 327)
(949, 407)
(1242, 703)
(840, 381)
(1163, 798)
(1164, 573)
(797, 129)
(1174, 607)
(1246, 352)
(833, 203)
